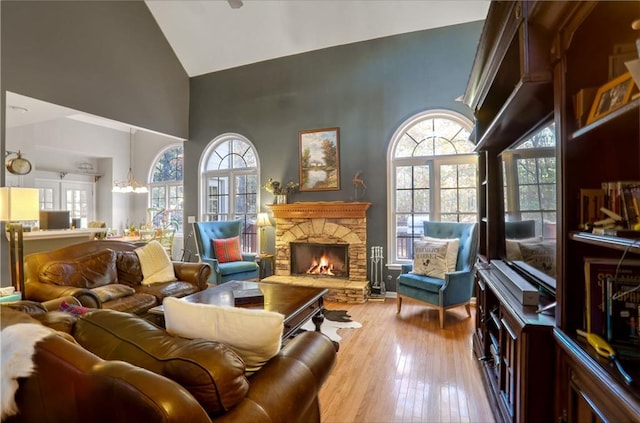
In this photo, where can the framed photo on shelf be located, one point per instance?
(319, 159)
(611, 96)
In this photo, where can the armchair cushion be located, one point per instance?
(155, 263)
(427, 283)
(255, 335)
(89, 271)
(227, 249)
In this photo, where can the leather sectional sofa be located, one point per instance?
(147, 375)
(105, 274)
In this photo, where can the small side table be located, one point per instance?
(267, 265)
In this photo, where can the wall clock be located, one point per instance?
(19, 165)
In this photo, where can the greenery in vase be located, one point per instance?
(277, 188)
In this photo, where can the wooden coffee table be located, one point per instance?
(298, 304)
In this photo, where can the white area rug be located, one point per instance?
(330, 328)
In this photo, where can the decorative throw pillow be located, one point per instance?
(155, 263)
(540, 255)
(113, 292)
(453, 244)
(430, 258)
(76, 310)
(513, 247)
(255, 335)
(227, 249)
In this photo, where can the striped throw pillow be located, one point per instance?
(227, 249)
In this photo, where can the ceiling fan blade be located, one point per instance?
(235, 4)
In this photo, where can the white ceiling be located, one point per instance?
(209, 36)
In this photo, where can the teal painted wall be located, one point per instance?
(366, 89)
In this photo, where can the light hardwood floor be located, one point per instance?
(404, 368)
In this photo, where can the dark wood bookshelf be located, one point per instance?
(612, 242)
(533, 58)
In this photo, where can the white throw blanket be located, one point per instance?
(17, 347)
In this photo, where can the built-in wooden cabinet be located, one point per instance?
(534, 58)
(512, 341)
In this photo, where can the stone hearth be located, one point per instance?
(324, 223)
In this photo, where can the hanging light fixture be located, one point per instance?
(130, 185)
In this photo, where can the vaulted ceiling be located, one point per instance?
(210, 35)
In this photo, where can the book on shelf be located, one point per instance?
(591, 201)
(630, 205)
(622, 313)
(611, 305)
(613, 195)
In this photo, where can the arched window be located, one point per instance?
(433, 176)
(229, 185)
(166, 197)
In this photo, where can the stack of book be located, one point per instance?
(622, 197)
(612, 302)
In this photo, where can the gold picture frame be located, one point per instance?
(611, 96)
(319, 159)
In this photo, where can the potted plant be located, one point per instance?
(280, 191)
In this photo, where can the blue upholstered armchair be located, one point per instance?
(205, 232)
(456, 288)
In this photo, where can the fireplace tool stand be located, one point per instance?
(378, 289)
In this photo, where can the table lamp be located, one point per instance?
(16, 205)
(263, 222)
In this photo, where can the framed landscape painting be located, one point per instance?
(319, 159)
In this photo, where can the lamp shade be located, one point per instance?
(19, 204)
(263, 220)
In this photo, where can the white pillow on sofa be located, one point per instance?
(255, 335)
(155, 263)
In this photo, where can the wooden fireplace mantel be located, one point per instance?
(320, 209)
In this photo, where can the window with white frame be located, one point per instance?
(229, 185)
(166, 188)
(433, 177)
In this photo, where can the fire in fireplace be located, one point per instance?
(319, 259)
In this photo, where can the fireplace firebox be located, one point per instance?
(330, 260)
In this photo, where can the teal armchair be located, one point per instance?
(204, 233)
(456, 288)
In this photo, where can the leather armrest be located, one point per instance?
(298, 371)
(195, 273)
(117, 382)
(38, 291)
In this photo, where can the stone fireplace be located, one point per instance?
(330, 226)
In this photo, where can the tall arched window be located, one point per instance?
(166, 198)
(433, 177)
(229, 185)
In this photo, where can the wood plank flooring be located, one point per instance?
(404, 368)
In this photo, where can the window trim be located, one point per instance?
(168, 183)
(433, 161)
(203, 174)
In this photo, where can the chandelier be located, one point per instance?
(130, 185)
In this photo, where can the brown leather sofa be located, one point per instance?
(150, 376)
(105, 274)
